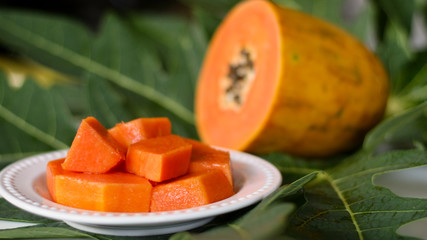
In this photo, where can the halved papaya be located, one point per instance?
(275, 79)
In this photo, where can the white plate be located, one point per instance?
(23, 184)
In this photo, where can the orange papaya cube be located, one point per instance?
(199, 148)
(204, 157)
(53, 169)
(159, 159)
(127, 133)
(93, 150)
(107, 192)
(191, 190)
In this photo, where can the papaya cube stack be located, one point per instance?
(138, 166)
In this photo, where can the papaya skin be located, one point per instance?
(328, 89)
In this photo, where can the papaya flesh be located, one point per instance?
(275, 79)
(159, 159)
(93, 149)
(108, 192)
(192, 190)
(127, 133)
(204, 158)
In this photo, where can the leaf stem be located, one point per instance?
(30, 129)
(96, 68)
(240, 231)
(9, 157)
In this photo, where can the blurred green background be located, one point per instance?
(119, 60)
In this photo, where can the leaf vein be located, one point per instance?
(369, 171)
(345, 203)
(89, 65)
(30, 129)
(391, 211)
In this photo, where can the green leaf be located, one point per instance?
(413, 81)
(105, 103)
(293, 168)
(399, 12)
(285, 191)
(116, 54)
(344, 203)
(217, 8)
(356, 20)
(8, 212)
(32, 120)
(42, 232)
(60, 230)
(395, 53)
(173, 64)
(397, 129)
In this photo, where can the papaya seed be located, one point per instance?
(240, 74)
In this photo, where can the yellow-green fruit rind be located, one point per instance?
(331, 91)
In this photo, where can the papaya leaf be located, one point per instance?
(413, 80)
(355, 17)
(8, 212)
(217, 8)
(209, 14)
(399, 12)
(344, 203)
(285, 191)
(60, 230)
(105, 103)
(174, 64)
(114, 54)
(44, 231)
(408, 126)
(208, 20)
(32, 120)
(395, 52)
(293, 168)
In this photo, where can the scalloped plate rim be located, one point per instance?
(260, 178)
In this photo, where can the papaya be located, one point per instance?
(191, 190)
(204, 157)
(159, 159)
(107, 192)
(276, 79)
(93, 149)
(127, 133)
(138, 166)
